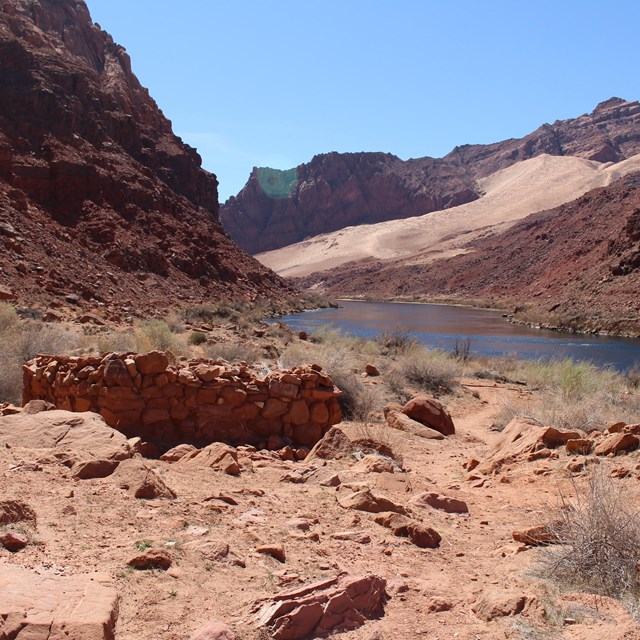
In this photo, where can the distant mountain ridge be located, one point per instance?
(100, 202)
(336, 190)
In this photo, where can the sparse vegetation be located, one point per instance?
(430, 370)
(197, 338)
(234, 352)
(598, 531)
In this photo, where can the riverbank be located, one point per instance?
(272, 524)
(523, 314)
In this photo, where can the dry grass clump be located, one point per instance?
(156, 334)
(396, 342)
(234, 352)
(429, 369)
(21, 341)
(598, 533)
(116, 341)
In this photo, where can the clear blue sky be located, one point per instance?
(272, 83)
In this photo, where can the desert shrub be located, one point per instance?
(8, 317)
(19, 342)
(396, 341)
(116, 341)
(155, 335)
(175, 321)
(461, 349)
(431, 370)
(197, 338)
(632, 376)
(358, 401)
(10, 376)
(36, 337)
(598, 534)
(234, 352)
(570, 378)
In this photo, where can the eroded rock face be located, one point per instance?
(317, 610)
(48, 607)
(336, 190)
(93, 178)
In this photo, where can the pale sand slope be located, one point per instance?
(511, 194)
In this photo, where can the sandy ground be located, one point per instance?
(530, 186)
(97, 526)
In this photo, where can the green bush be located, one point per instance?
(197, 338)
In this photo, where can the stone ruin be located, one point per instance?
(199, 402)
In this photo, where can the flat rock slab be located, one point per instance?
(35, 607)
(323, 608)
(86, 432)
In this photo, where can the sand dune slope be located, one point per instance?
(511, 194)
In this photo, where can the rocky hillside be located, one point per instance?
(278, 208)
(100, 203)
(575, 265)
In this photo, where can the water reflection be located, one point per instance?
(491, 335)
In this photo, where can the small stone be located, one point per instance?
(13, 541)
(152, 558)
(371, 370)
(274, 550)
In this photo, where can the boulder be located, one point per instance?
(274, 550)
(93, 468)
(372, 370)
(443, 503)
(218, 456)
(617, 442)
(537, 536)
(353, 536)
(6, 293)
(33, 606)
(151, 558)
(499, 605)
(364, 500)
(151, 362)
(418, 533)
(430, 413)
(177, 453)
(398, 420)
(15, 511)
(333, 445)
(524, 439)
(323, 608)
(13, 541)
(373, 463)
(86, 432)
(140, 481)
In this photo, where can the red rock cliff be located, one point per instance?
(98, 197)
(337, 190)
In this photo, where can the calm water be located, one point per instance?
(490, 334)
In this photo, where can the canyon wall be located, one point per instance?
(336, 190)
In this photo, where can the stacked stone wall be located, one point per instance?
(200, 402)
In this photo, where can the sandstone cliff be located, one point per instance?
(278, 208)
(99, 200)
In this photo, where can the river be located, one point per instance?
(439, 326)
